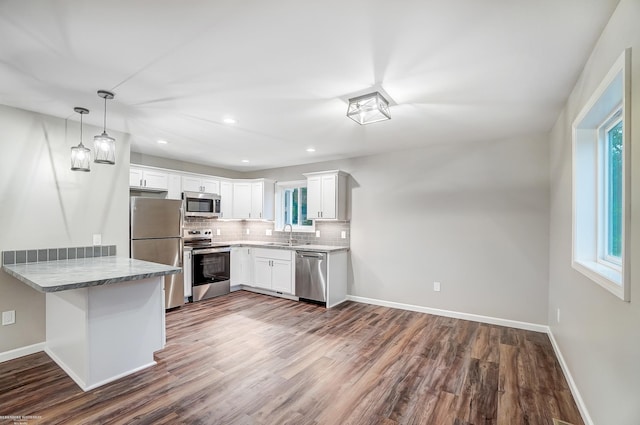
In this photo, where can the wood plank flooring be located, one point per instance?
(247, 358)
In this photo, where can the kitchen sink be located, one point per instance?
(287, 244)
(278, 244)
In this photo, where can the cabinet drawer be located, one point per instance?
(274, 254)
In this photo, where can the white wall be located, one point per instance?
(598, 334)
(472, 216)
(43, 204)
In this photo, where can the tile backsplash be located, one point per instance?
(330, 231)
(24, 256)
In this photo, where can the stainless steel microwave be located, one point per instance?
(197, 204)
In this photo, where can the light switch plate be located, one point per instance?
(248, 231)
(343, 234)
(436, 286)
(97, 239)
(268, 232)
(8, 317)
(217, 232)
(317, 233)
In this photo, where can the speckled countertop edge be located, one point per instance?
(259, 244)
(63, 275)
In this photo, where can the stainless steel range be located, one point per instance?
(211, 264)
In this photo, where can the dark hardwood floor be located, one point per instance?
(252, 359)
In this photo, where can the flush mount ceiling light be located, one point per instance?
(105, 145)
(162, 142)
(368, 108)
(229, 120)
(80, 155)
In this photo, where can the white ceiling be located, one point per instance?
(458, 71)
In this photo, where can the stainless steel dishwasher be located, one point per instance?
(311, 275)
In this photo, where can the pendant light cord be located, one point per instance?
(81, 130)
(105, 115)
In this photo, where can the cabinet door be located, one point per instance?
(257, 193)
(211, 186)
(241, 200)
(314, 197)
(262, 272)
(155, 179)
(191, 184)
(236, 266)
(328, 209)
(135, 177)
(226, 200)
(281, 276)
(174, 190)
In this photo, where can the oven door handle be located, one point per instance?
(211, 251)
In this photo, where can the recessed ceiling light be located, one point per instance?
(162, 142)
(311, 150)
(245, 160)
(229, 120)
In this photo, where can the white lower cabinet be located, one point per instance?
(241, 266)
(273, 269)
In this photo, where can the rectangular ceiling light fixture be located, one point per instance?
(368, 108)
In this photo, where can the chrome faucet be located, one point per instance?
(284, 229)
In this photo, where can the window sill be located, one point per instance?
(608, 278)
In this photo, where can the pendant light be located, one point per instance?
(372, 107)
(104, 145)
(80, 155)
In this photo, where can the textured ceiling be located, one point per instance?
(456, 70)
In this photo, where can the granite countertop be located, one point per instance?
(260, 244)
(54, 276)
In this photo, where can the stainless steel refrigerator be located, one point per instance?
(156, 236)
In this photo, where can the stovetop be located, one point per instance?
(201, 238)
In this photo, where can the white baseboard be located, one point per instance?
(454, 314)
(21, 352)
(582, 407)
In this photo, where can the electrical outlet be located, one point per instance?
(436, 286)
(558, 316)
(317, 233)
(343, 234)
(97, 239)
(8, 317)
(217, 232)
(248, 231)
(268, 232)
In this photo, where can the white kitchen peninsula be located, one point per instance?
(104, 315)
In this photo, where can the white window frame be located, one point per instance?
(603, 191)
(280, 188)
(588, 187)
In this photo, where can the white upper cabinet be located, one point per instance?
(148, 179)
(327, 195)
(174, 190)
(200, 184)
(241, 200)
(253, 199)
(226, 199)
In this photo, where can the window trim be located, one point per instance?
(279, 222)
(613, 92)
(603, 180)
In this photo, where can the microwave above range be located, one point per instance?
(197, 204)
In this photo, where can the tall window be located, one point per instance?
(291, 207)
(611, 220)
(601, 182)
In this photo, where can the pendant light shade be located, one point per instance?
(372, 107)
(104, 145)
(80, 155)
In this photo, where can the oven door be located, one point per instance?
(211, 272)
